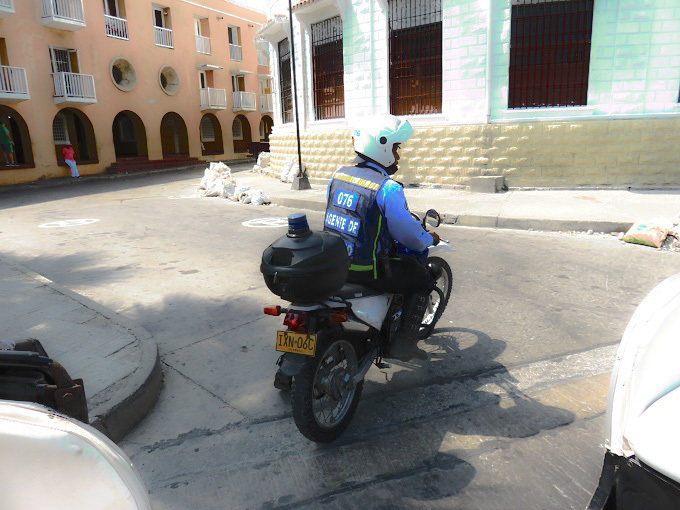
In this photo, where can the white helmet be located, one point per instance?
(376, 137)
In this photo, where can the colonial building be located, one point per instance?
(131, 84)
(547, 93)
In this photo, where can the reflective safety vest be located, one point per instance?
(353, 213)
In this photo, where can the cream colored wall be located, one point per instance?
(615, 153)
(28, 42)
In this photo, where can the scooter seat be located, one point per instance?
(354, 291)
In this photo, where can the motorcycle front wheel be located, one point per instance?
(437, 302)
(323, 396)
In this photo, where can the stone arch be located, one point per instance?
(174, 138)
(73, 127)
(129, 135)
(266, 126)
(23, 149)
(210, 132)
(240, 130)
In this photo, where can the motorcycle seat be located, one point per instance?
(354, 291)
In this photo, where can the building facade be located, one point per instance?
(561, 93)
(130, 84)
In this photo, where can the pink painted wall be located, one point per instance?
(28, 42)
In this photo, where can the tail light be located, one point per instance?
(296, 321)
(337, 317)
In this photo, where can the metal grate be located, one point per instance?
(415, 56)
(59, 130)
(285, 82)
(550, 53)
(329, 90)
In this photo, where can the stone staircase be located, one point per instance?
(143, 164)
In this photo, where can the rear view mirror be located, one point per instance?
(432, 219)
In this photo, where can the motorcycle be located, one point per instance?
(330, 345)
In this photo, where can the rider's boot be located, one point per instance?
(404, 344)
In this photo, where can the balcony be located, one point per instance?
(163, 37)
(213, 99)
(74, 89)
(13, 84)
(245, 102)
(116, 27)
(6, 8)
(235, 52)
(203, 44)
(266, 103)
(63, 14)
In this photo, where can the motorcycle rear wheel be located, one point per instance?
(323, 396)
(436, 305)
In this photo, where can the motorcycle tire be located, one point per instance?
(426, 329)
(307, 391)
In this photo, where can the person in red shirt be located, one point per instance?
(69, 155)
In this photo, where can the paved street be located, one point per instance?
(507, 413)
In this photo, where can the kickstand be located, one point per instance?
(379, 363)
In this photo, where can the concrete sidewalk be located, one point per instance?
(117, 360)
(556, 210)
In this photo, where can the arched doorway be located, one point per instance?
(18, 130)
(129, 136)
(72, 127)
(174, 139)
(211, 135)
(266, 125)
(240, 130)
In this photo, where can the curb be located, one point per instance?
(499, 222)
(131, 398)
(58, 182)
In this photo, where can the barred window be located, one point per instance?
(329, 69)
(415, 56)
(237, 129)
(59, 130)
(549, 53)
(285, 81)
(207, 130)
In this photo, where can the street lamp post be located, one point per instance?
(301, 181)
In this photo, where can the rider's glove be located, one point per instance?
(435, 238)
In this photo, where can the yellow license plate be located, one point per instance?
(298, 343)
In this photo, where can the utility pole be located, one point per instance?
(301, 181)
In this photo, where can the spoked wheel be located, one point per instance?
(438, 299)
(323, 395)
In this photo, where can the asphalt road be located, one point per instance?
(507, 413)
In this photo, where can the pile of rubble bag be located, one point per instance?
(219, 182)
(657, 233)
(288, 171)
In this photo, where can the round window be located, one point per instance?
(123, 74)
(169, 80)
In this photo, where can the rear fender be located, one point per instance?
(291, 364)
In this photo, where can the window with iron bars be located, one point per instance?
(549, 53)
(415, 56)
(329, 69)
(285, 82)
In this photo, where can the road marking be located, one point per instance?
(266, 223)
(69, 223)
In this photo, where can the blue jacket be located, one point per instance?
(400, 224)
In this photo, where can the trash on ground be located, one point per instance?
(218, 181)
(649, 233)
(289, 170)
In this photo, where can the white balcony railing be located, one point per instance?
(13, 83)
(6, 8)
(262, 59)
(71, 11)
(266, 103)
(235, 52)
(116, 27)
(163, 37)
(74, 88)
(245, 102)
(213, 99)
(203, 44)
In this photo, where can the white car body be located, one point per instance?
(49, 460)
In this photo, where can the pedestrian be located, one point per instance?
(7, 144)
(70, 159)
